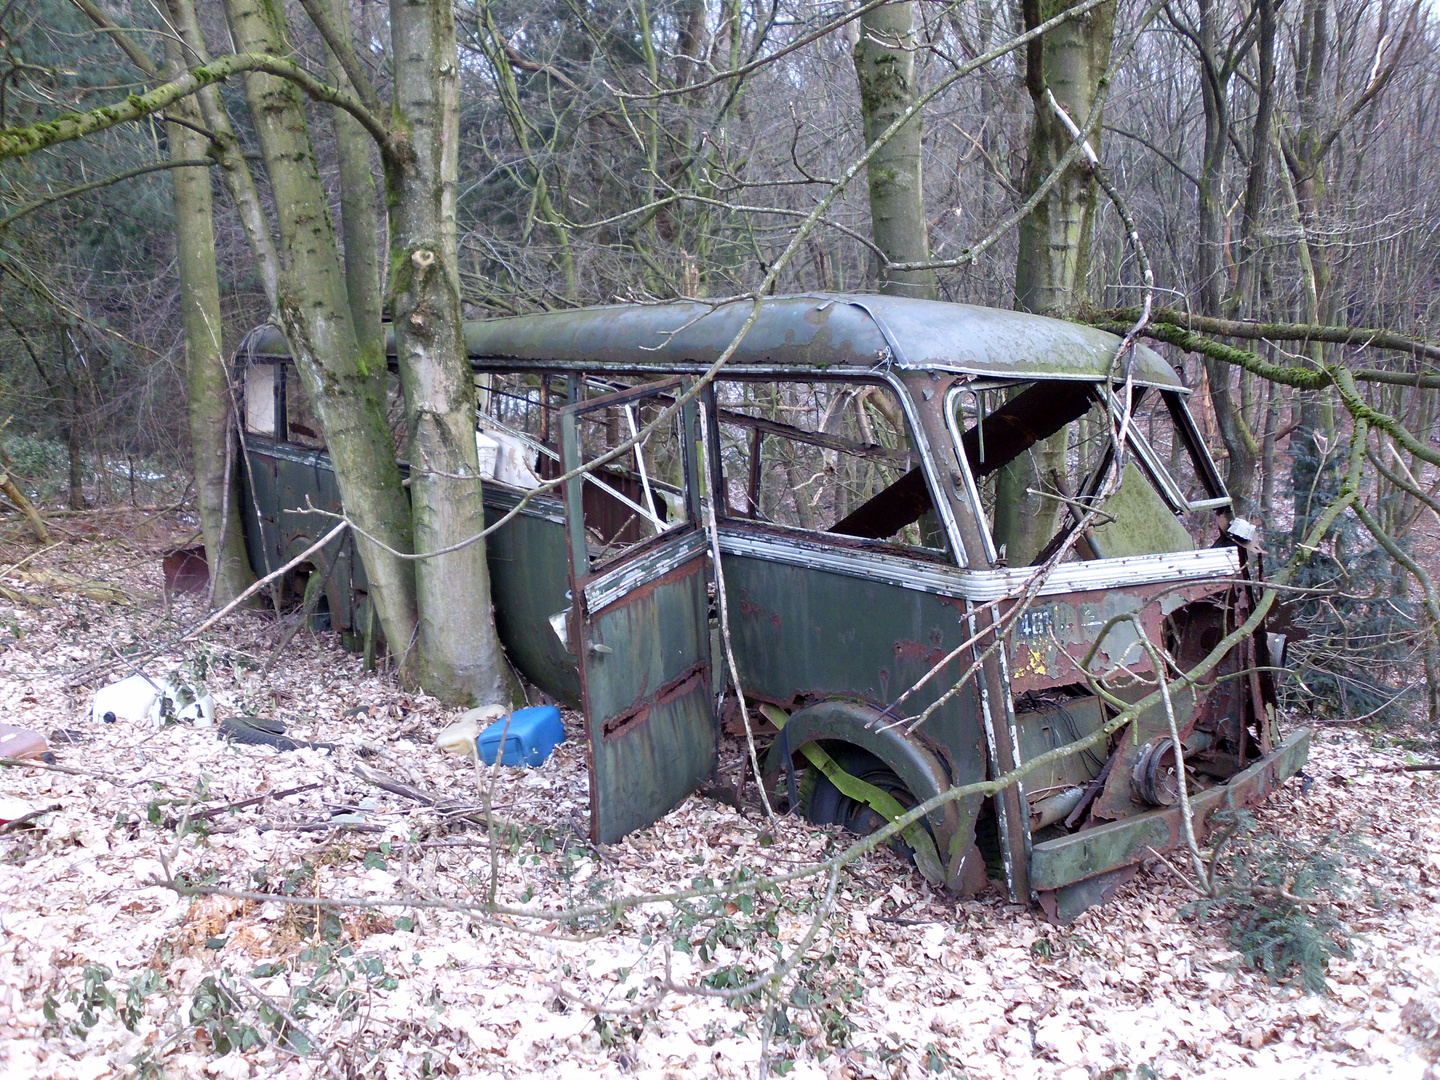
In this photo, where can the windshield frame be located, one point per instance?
(1145, 455)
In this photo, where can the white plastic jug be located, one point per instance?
(129, 699)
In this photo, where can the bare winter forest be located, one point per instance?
(343, 198)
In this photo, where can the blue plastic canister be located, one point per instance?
(529, 738)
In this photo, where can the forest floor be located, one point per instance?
(105, 972)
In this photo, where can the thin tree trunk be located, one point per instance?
(70, 390)
(234, 170)
(1257, 178)
(1241, 449)
(460, 652)
(1313, 469)
(1054, 255)
(1267, 448)
(885, 67)
(206, 380)
(359, 215)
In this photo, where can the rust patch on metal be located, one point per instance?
(1049, 641)
(914, 651)
(633, 717)
(750, 609)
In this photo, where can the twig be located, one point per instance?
(61, 769)
(24, 819)
(429, 798)
(217, 811)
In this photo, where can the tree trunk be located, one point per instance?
(885, 67)
(460, 652)
(207, 388)
(1240, 446)
(1054, 255)
(70, 409)
(1257, 177)
(359, 214)
(234, 170)
(315, 313)
(1313, 468)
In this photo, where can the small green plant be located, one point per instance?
(1283, 899)
(938, 1061)
(94, 995)
(95, 998)
(216, 1012)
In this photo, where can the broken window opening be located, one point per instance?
(638, 495)
(1169, 489)
(302, 425)
(823, 457)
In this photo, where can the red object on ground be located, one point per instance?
(18, 742)
(186, 571)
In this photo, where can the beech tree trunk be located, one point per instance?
(207, 389)
(359, 213)
(462, 658)
(1054, 255)
(315, 313)
(1240, 446)
(885, 68)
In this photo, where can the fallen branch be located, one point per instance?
(98, 591)
(25, 819)
(217, 811)
(427, 798)
(16, 496)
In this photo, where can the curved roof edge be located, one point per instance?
(817, 330)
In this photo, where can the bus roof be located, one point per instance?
(824, 332)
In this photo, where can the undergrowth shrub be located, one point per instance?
(1356, 633)
(1284, 900)
(39, 465)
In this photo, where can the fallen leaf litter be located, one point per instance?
(903, 981)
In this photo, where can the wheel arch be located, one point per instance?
(860, 724)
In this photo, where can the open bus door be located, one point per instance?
(639, 622)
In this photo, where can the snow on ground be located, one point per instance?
(104, 972)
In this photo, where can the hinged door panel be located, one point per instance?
(640, 616)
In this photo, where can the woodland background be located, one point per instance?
(1278, 162)
(1278, 159)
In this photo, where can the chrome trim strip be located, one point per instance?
(892, 569)
(1093, 576)
(544, 507)
(983, 585)
(609, 586)
(314, 457)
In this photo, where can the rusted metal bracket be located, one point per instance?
(1058, 863)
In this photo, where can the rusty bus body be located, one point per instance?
(855, 443)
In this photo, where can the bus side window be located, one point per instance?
(262, 384)
(301, 424)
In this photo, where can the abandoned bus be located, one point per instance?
(864, 455)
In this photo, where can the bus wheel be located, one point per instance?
(824, 804)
